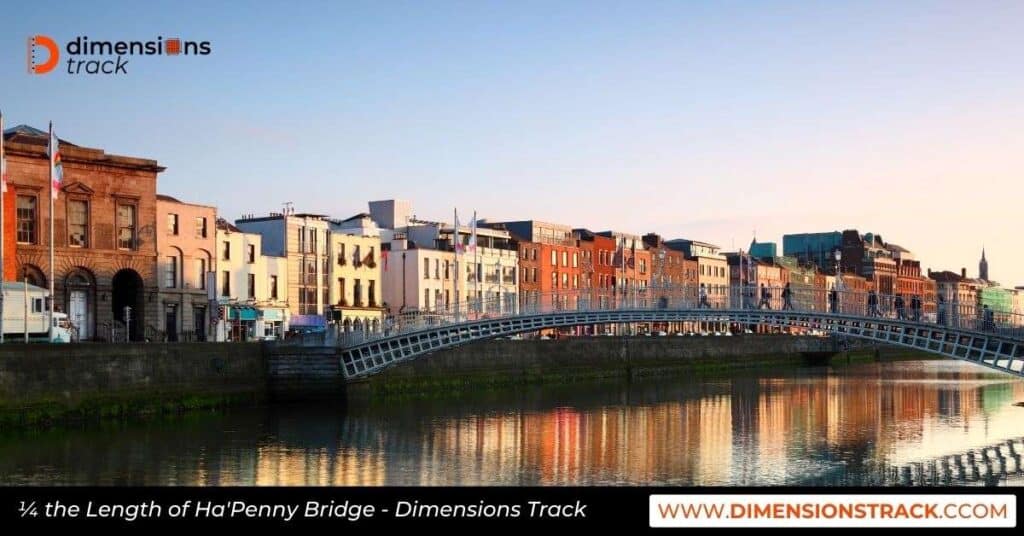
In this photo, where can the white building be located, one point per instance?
(250, 287)
(420, 271)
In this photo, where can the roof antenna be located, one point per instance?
(287, 208)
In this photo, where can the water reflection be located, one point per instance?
(860, 425)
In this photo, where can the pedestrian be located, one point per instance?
(941, 306)
(704, 297)
(873, 304)
(833, 300)
(901, 310)
(787, 298)
(915, 307)
(766, 297)
(988, 319)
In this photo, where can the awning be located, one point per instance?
(308, 321)
(273, 315)
(243, 312)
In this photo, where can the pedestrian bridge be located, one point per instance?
(991, 339)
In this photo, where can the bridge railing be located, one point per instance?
(849, 303)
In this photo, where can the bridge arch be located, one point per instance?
(997, 352)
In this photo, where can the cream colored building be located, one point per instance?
(415, 278)
(250, 287)
(185, 245)
(304, 239)
(355, 301)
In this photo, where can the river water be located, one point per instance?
(861, 424)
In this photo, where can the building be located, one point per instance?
(355, 301)
(249, 287)
(814, 248)
(673, 280)
(9, 271)
(763, 250)
(185, 242)
(632, 265)
(598, 271)
(305, 241)
(961, 293)
(554, 270)
(712, 268)
(488, 274)
(104, 234)
(415, 279)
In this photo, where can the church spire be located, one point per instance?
(983, 266)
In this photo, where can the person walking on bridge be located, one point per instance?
(915, 308)
(703, 298)
(941, 306)
(873, 304)
(787, 298)
(901, 310)
(766, 298)
(833, 300)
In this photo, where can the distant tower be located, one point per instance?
(983, 266)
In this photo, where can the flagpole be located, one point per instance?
(477, 271)
(455, 247)
(52, 300)
(3, 190)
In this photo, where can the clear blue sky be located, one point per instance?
(696, 119)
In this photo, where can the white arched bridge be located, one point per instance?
(970, 332)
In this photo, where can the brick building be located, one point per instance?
(185, 255)
(598, 264)
(551, 264)
(104, 233)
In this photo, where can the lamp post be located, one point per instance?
(838, 285)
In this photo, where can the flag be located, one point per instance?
(384, 259)
(55, 162)
(472, 235)
(455, 235)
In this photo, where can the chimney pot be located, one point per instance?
(963, 273)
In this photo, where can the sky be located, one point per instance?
(706, 120)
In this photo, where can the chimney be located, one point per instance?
(929, 272)
(963, 273)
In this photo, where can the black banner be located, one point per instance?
(357, 509)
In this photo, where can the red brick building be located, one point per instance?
(598, 265)
(104, 233)
(10, 268)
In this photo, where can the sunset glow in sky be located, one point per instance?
(703, 120)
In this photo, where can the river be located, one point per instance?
(861, 424)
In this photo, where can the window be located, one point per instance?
(372, 294)
(554, 258)
(357, 293)
(575, 259)
(447, 273)
(171, 272)
(575, 281)
(526, 254)
(200, 227)
(126, 226)
(565, 280)
(534, 253)
(426, 268)
(565, 258)
(437, 269)
(252, 286)
(200, 273)
(78, 223)
(302, 239)
(252, 253)
(312, 241)
(225, 285)
(26, 214)
(172, 224)
(426, 298)
(273, 287)
(226, 255)
(554, 280)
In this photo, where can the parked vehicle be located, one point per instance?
(26, 311)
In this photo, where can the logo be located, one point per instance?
(85, 56)
(43, 54)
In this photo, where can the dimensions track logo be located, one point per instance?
(83, 55)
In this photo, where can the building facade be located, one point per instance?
(105, 234)
(355, 302)
(185, 244)
(416, 279)
(552, 267)
(598, 268)
(249, 287)
(304, 240)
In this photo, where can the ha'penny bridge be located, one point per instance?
(964, 331)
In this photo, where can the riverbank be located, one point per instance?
(48, 384)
